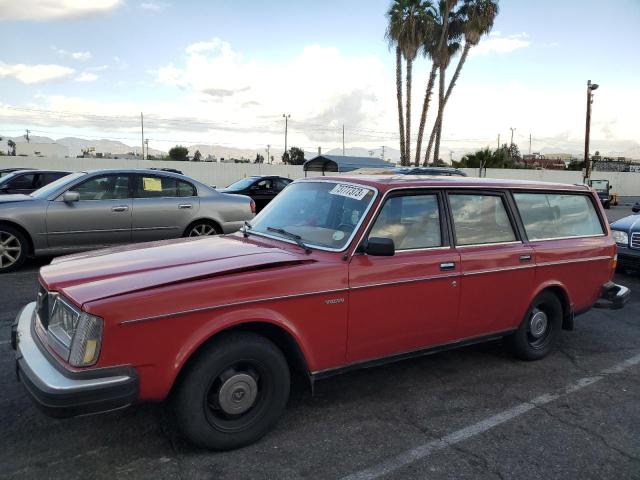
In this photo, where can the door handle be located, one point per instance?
(120, 208)
(525, 258)
(447, 266)
(185, 205)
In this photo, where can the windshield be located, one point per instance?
(242, 184)
(47, 190)
(6, 177)
(324, 214)
(600, 185)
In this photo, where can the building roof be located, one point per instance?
(339, 163)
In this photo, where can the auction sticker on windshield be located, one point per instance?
(349, 191)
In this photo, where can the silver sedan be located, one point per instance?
(95, 209)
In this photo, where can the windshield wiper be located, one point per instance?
(292, 236)
(246, 228)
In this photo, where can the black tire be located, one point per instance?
(200, 399)
(531, 341)
(14, 248)
(199, 227)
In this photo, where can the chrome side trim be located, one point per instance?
(513, 242)
(567, 238)
(226, 305)
(425, 249)
(42, 368)
(67, 232)
(409, 280)
(574, 260)
(496, 270)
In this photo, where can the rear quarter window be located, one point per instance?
(480, 219)
(557, 215)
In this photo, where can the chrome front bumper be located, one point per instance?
(64, 393)
(613, 296)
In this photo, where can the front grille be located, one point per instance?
(42, 306)
(635, 240)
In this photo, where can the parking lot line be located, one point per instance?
(422, 451)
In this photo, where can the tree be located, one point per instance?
(12, 146)
(409, 23)
(296, 156)
(197, 157)
(286, 159)
(179, 153)
(473, 19)
(259, 158)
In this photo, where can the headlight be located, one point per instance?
(620, 237)
(73, 334)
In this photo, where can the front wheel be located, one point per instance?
(233, 393)
(539, 329)
(13, 249)
(201, 229)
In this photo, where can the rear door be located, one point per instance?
(497, 267)
(102, 215)
(408, 301)
(163, 207)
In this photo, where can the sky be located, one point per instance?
(224, 72)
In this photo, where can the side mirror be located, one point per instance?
(610, 187)
(380, 247)
(70, 197)
(636, 208)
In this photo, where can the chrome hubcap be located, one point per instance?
(201, 230)
(10, 249)
(538, 323)
(238, 394)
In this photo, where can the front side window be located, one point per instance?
(262, 185)
(410, 221)
(150, 186)
(553, 215)
(322, 214)
(480, 219)
(107, 187)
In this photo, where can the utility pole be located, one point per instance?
(498, 142)
(142, 133)
(286, 128)
(529, 144)
(343, 139)
(382, 152)
(587, 163)
(512, 130)
(27, 135)
(268, 154)
(146, 142)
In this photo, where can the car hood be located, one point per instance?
(110, 272)
(15, 197)
(627, 224)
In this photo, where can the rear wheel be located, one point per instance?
(202, 228)
(539, 329)
(233, 393)
(13, 249)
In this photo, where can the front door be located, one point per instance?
(497, 268)
(101, 216)
(408, 301)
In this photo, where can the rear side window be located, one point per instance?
(553, 215)
(410, 221)
(480, 219)
(156, 187)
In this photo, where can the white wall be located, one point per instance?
(625, 184)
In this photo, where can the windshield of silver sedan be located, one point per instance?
(47, 190)
(323, 214)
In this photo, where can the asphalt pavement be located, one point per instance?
(474, 413)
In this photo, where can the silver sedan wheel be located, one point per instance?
(10, 249)
(202, 229)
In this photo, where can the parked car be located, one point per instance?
(603, 189)
(28, 181)
(636, 207)
(172, 170)
(338, 273)
(261, 189)
(88, 210)
(6, 171)
(626, 233)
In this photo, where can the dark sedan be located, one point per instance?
(261, 189)
(626, 233)
(6, 171)
(28, 181)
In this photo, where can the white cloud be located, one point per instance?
(153, 6)
(497, 43)
(30, 74)
(81, 55)
(42, 10)
(86, 77)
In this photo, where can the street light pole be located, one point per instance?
(286, 128)
(587, 163)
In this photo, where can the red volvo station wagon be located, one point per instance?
(336, 273)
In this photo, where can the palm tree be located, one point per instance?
(409, 24)
(12, 145)
(475, 18)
